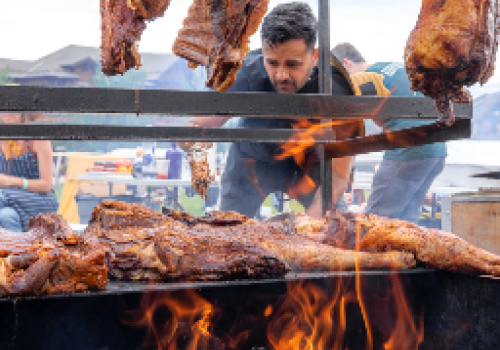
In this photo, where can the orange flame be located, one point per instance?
(406, 335)
(359, 295)
(190, 317)
(305, 320)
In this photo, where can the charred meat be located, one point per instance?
(216, 34)
(49, 259)
(122, 24)
(453, 45)
(435, 248)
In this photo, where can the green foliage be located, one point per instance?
(4, 77)
(131, 79)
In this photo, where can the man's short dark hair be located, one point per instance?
(289, 21)
(347, 50)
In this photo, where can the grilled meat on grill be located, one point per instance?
(216, 34)
(258, 250)
(218, 246)
(122, 24)
(453, 45)
(204, 253)
(433, 247)
(48, 259)
(143, 243)
(123, 230)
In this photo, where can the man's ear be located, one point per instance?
(347, 64)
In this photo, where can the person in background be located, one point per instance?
(26, 182)
(285, 65)
(353, 196)
(405, 175)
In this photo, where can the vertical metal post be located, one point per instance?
(325, 180)
(325, 87)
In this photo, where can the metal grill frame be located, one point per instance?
(257, 105)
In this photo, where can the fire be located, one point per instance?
(188, 319)
(406, 335)
(339, 313)
(307, 319)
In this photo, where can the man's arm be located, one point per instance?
(340, 179)
(207, 122)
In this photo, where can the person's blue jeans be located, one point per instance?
(399, 187)
(9, 218)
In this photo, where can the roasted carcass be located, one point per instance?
(48, 259)
(122, 24)
(435, 248)
(219, 246)
(216, 34)
(453, 45)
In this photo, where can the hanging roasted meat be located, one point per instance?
(371, 233)
(49, 259)
(453, 45)
(122, 24)
(200, 173)
(216, 34)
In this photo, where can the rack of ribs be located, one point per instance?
(49, 259)
(453, 45)
(122, 24)
(216, 34)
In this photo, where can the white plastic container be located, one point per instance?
(162, 166)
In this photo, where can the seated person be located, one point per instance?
(26, 169)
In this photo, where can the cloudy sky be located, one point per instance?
(33, 28)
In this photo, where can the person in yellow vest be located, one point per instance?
(405, 174)
(26, 178)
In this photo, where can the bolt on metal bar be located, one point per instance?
(325, 88)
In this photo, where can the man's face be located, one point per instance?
(288, 65)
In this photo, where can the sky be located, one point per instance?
(34, 28)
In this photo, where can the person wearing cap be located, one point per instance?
(285, 64)
(26, 182)
(405, 175)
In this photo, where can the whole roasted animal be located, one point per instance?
(147, 245)
(216, 34)
(48, 259)
(122, 24)
(453, 45)
(255, 250)
(371, 233)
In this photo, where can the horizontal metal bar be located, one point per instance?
(401, 139)
(145, 133)
(265, 105)
(119, 288)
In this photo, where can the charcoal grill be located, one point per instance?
(460, 311)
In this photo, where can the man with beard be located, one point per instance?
(285, 64)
